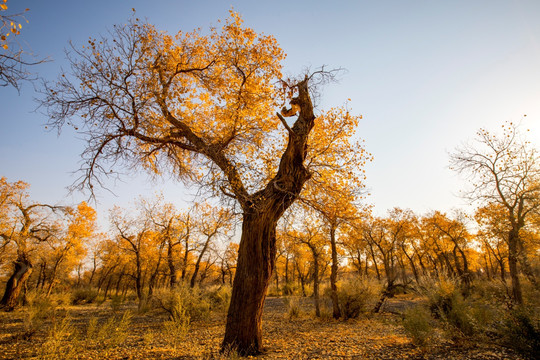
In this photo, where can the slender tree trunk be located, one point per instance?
(375, 262)
(316, 298)
(513, 238)
(186, 258)
(16, 282)
(198, 263)
(336, 313)
(172, 267)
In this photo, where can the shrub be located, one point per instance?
(293, 308)
(357, 296)
(418, 325)
(37, 311)
(110, 333)
(520, 331)
(182, 301)
(116, 302)
(290, 289)
(83, 296)
(59, 343)
(220, 297)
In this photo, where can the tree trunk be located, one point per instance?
(256, 261)
(16, 282)
(198, 263)
(513, 238)
(257, 252)
(172, 267)
(336, 313)
(316, 282)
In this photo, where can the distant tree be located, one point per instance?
(504, 169)
(202, 108)
(212, 222)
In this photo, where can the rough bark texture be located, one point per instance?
(16, 282)
(257, 252)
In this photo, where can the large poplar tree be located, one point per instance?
(201, 107)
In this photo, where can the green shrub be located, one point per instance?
(418, 325)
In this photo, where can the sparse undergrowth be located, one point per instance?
(192, 327)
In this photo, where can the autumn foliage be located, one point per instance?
(283, 210)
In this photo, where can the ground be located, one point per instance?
(378, 336)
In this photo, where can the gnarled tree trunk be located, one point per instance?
(16, 282)
(257, 252)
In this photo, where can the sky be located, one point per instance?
(425, 75)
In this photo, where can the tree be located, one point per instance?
(69, 247)
(504, 169)
(310, 236)
(212, 222)
(199, 107)
(24, 224)
(453, 236)
(14, 59)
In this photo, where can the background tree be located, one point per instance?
(212, 223)
(504, 169)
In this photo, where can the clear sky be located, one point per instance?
(425, 75)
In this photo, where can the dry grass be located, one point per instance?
(303, 337)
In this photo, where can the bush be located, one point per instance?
(220, 297)
(293, 308)
(520, 331)
(182, 301)
(357, 296)
(83, 296)
(116, 302)
(111, 333)
(60, 340)
(418, 325)
(290, 289)
(446, 303)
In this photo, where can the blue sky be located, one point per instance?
(425, 75)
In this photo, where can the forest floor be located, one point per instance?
(377, 336)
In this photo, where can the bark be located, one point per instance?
(16, 283)
(257, 251)
(336, 313)
(256, 261)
